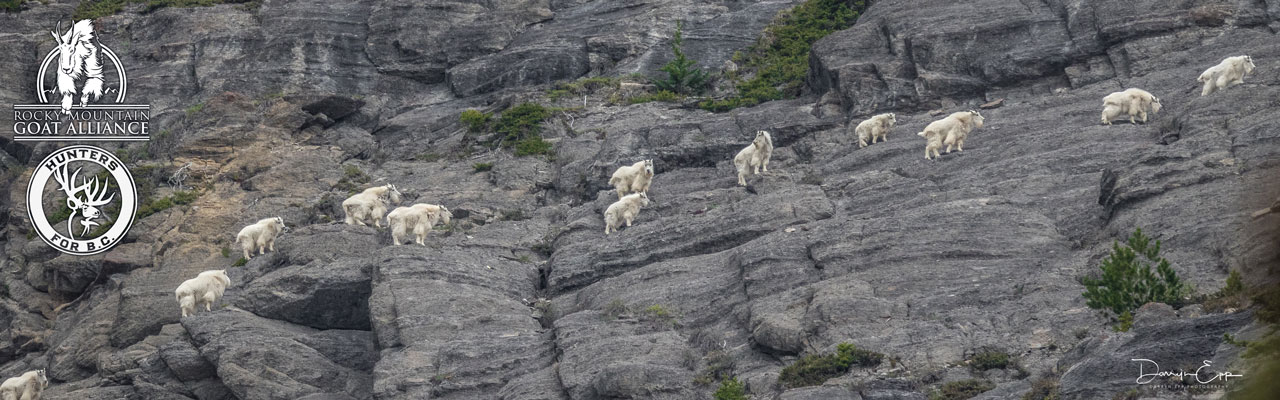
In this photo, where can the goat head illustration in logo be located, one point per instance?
(87, 209)
(78, 60)
(103, 211)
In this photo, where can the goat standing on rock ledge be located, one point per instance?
(261, 235)
(1133, 102)
(1229, 72)
(24, 387)
(754, 158)
(205, 288)
(624, 211)
(875, 127)
(371, 204)
(951, 130)
(634, 178)
(418, 218)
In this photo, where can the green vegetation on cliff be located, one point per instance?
(94, 9)
(780, 58)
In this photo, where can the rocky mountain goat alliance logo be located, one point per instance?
(87, 187)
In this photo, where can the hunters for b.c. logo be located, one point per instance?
(82, 200)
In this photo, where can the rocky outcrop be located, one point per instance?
(288, 108)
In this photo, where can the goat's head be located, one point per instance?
(445, 215)
(73, 46)
(393, 194)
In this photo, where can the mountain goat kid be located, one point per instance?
(754, 158)
(875, 127)
(633, 178)
(419, 218)
(1229, 72)
(261, 235)
(370, 204)
(624, 211)
(205, 289)
(1133, 102)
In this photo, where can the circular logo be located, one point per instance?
(93, 191)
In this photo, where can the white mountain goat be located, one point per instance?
(964, 123)
(754, 158)
(633, 178)
(1230, 72)
(419, 218)
(78, 60)
(624, 211)
(205, 289)
(370, 205)
(1133, 102)
(261, 235)
(951, 130)
(24, 387)
(875, 127)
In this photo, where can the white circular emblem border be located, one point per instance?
(128, 202)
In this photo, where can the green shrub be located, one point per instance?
(240, 263)
(682, 75)
(512, 215)
(533, 146)
(178, 198)
(780, 58)
(615, 309)
(1042, 389)
(1131, 394)
(961, 390)
(1127, 282)
(1235, 285)
(815, 369)
(719, 366)
(731, 389)
(94, 9)
(428, 157)
(475, 121)
(195, 109)
(226, 252)
(582, 86)
(989, 359)
(1123, 322)
(661, 95)
(352, 178)
(658, 311)
(521, 122)
(1263, 365)
(1230, 339)
(482, 167)
(11, 5)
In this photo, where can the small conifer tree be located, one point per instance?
(683, 76)
(1128, 281)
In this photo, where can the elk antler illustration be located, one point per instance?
(94, 193)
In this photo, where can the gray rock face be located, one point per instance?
(1104, 365)
(523, 297)
(266, 359)
(319, 295)
(912, 54)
